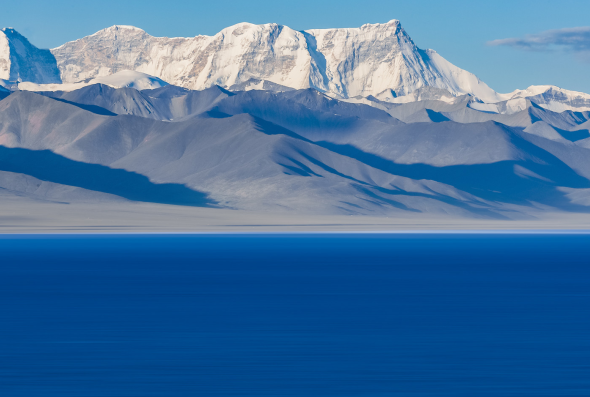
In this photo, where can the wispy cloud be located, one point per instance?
(575, 40)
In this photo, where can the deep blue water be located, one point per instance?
(295, 315)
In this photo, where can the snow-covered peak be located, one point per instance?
(125, 78)
(392, 22)
(5, 60)
(22, 61)
(392, 26)
(378, 59)
(551, 97)
(125, 29)
(346, 62)
(541, 89)
(112, 33)
(232, 56)
(128, 27)
(116, 28)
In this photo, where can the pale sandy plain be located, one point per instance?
(25, 215)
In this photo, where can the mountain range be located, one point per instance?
(263, 117)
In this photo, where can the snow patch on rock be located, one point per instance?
(124, 78)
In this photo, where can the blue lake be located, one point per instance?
(295, 315)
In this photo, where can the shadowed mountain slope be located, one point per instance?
(164, 103)
(461, 112)
(22, 61)
(308, 113)
(47, 166)
(252, 160)
(102, 99)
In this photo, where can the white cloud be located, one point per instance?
(575, 40)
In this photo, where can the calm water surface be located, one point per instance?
(295, 315)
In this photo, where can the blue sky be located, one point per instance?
(524, 53)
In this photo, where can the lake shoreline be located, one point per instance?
(25, 216)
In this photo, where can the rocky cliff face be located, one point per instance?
(22, 61)
(378, 57)
(378, 60)
(347, 62)
(236, 54)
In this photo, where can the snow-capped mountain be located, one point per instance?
(347, 62)
(22, 61)
(552, 98)
(375, 59)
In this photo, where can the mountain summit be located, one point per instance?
(347, 62)
(379, 62)
(22, 61)
(375, 59)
